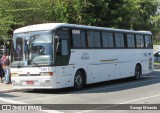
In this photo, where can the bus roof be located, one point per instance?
(53, 26)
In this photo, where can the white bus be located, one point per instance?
(59, 55)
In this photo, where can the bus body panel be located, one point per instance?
(112, 64)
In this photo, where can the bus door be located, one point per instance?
(62, 48)
(63, 71)
(20, 46)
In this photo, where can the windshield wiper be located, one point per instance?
(31, 60)
(19, 66)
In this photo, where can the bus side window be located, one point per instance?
(64, 47)
(148, 41)
(58, 46)
(19, 48)
(139, 41)
(130, 41)
(119, 40)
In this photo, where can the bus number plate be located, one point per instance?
(44, 69)
(30, 82)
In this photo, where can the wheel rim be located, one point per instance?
(78, 80)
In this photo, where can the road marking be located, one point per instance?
(17, 102)
(127, 102)
(140, 99)
(92, 90)
(11, 101)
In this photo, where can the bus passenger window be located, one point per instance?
(83, 39)
(119, 39)
(90, 37)
(139, 41)
(107, 39)
(94, 39)
(130, 41)
(64, 47)
(97, 39)
(148, 42)
(19, 48)
(78, 39)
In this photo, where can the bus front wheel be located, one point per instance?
(137, 72)
(78, 80)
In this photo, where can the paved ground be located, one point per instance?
(5, 87)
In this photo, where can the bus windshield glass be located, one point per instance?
(33, 48)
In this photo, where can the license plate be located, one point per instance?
(30, 82)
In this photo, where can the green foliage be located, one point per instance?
(124, 14)
(18, 13)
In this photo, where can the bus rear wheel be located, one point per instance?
(137, 72)
(78, 80)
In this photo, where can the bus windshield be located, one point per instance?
(33, 48)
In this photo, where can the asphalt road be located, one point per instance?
(119, 96)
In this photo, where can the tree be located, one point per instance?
(18, 13)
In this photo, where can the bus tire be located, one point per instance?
(79, 80)
(138, 72)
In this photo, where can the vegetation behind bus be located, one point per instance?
(124, 14)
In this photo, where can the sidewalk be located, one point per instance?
(6, 87)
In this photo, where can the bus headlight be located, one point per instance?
(46, 73)
(14, 74)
